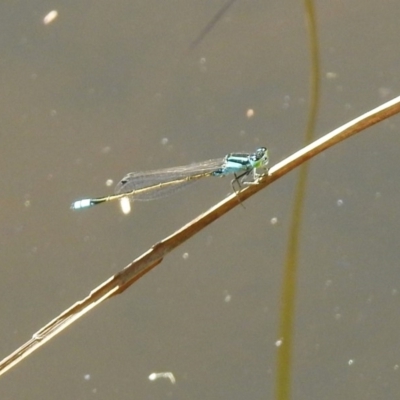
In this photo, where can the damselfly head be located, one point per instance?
(261, 156)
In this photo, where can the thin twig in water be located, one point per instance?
(211, 24)
(132, 272)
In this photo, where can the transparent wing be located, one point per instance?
(163, 182)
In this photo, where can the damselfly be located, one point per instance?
(151, 185)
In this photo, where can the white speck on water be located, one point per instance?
(125, 205)
(250, 113)
(166, 375)
(228, 297)
(50, 17)
(331, 75)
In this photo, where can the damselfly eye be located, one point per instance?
(260, 153)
